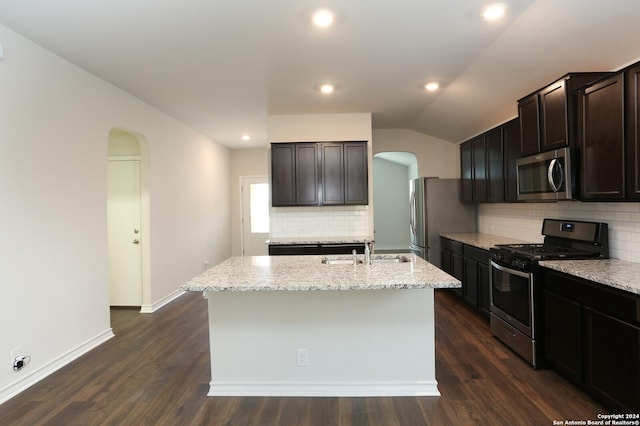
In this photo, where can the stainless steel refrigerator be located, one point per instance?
(435, 208)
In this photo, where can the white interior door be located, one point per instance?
(255, 215)
(125, 255)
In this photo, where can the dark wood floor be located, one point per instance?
(156, 372)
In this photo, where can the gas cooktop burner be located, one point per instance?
(541, 251)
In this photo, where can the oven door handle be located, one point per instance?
(509, 270)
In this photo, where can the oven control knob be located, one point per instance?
(519, 263)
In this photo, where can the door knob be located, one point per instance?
(136, 241)
(136, 231)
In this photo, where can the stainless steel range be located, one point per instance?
(514, 290)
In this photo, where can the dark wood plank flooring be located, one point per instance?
(156, 372)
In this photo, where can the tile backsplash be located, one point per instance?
(334, 221)
(523, 221)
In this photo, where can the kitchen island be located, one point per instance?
(297, 326)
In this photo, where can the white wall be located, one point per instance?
(244, 162)
(55, 121)
(391, 205)
(436, 157)
(342, 221)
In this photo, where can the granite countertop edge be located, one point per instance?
(317, 240)
(308, 273)
(480, 240)
(615, 273)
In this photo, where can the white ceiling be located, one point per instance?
(223, 66)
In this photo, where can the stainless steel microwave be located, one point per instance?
(548, 176)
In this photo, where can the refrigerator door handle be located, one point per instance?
(412, 213)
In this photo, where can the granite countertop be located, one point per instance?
(308, 273)
(481, 241)
(318, 240)
(615, 273)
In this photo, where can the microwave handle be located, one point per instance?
(552, 165)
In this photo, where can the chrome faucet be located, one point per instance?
(367, 254)
(355, 257)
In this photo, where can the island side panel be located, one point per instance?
(359, 343)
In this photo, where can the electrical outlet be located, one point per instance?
(302, 358)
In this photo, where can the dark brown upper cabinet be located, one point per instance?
(632, 78)
(478, 153)
(356, 184)
(602, 136)
(318, 174)
(466, 170)
(307, 175)
(494, 165)
(529, 113)
(548, 117)
(482, 164)
(283, 174)
(512, 151)
(332, 160)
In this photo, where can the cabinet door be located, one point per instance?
(356, 174)
(283, 170)
(602, 139)
(612, 361)
(512, 151)
(458, 270)
(307, 174)
(466, 169)
(563, 335)
(478, 149)
(332, 160)
(633, 132)
(470, 286)
(529, 114)
(554, 120)
(484, 291)
(495, 166)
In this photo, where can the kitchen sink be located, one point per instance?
(340, 260)
(348, 260)
(389, 259)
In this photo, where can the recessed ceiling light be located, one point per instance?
(326, 89)
(246, 137)
(493, 12)
(432, 87)
(323, 18)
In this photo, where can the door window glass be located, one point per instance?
(259, 207)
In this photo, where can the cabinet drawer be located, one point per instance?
(476, 254)
(451, 245)
(341, 248)
(293, 249)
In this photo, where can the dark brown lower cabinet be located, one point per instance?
(591, 335)
(475, 285)
(451, 260)
(563, 335)
(470, 265)
(612, 363)
(314, 249)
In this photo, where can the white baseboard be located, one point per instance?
(51, 367)
(324, 389)
(149, 309)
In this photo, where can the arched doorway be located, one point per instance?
(128, 220)
(392, 172)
